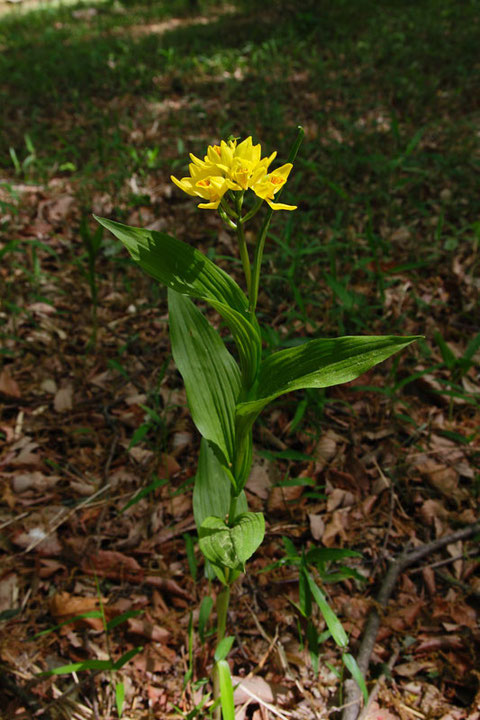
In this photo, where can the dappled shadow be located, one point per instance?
(68, 60)
(60, 65)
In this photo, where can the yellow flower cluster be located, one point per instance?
(229, 166)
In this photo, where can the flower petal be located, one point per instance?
(184, 184)
(210, 205)
(280, 206)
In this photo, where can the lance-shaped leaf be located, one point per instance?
(186, 270)
(231, 546)
(316, 364)
(212, 489)
(210, 374)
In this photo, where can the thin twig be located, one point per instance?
(373, 695)
(352, 691)
(445, 561)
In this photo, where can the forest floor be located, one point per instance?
(103, 102)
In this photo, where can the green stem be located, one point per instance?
(242, 243)
(228, 208)
(223, 599)
(228, 222)
(257, 260)
(253, 211)
(233, 508)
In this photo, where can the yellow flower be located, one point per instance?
(229, 166)
(204, 182)
(270, 184)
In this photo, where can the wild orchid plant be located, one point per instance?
(226, 394)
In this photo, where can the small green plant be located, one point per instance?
(92, 242)
(111, 666)
(323, 561)
(25, 166)
(225, 394)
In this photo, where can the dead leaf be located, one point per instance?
(106, 562)
(336, 528)
(64, 606)
(58, 209)
(148, 630)
(35, 480)
(167, 466)
(259, 481)
(375, 712)
(326, 449)
(432, 510)
(9, 592)
(41, 542)
(401, 235)
(8, 386)
(25, 449)
(339, 498)
(281, 498)
(63, 399)
(317, 526)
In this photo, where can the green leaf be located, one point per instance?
(126, 657)
(187, 271)
(119, 619)
(316, 364)
(351, 664)
(313, 645)
(223, 648)
(177, 265)
(78, 666)
(210, 374)
(231, 546)
(203, 616)
(247, 338)
(212, 490)
(144, 492)
(329, 554)
(333, 623)
(119, 697)
(89, 614)
(226, 690)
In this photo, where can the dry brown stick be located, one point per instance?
(352, 691)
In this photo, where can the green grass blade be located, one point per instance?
(226, 690)
(351, 664)
(333, 623)
(119, 697)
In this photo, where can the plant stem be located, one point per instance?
(223, 599)
(257, 260)
(242, 243)
(233, 508)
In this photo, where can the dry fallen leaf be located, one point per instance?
(259, 481)
(63, 399)
(8, 385)
(64, 606)
(335, 528)
(146, 629)
(281, 498)
(8, 591)
(35, 480)
(317, 526)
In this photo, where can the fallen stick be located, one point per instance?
(352, 696)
